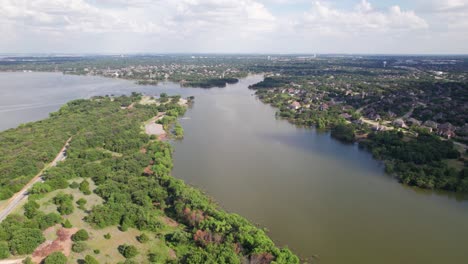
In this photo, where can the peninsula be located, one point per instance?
(110, 196)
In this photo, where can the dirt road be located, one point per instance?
(16, 199)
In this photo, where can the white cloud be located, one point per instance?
(230, 26)
(324, 19)
(449, 5)
(138, 16)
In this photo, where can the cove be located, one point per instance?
(320, 197)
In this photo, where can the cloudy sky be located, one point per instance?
(234, 26)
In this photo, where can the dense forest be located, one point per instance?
(128, 173)
(210, 83)
(418, 161)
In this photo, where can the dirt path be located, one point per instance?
(12, 261)
(15, 200)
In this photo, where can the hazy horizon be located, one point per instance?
(85, 54)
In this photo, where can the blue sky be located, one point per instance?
(234, 26)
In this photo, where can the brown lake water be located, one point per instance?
(314, 194)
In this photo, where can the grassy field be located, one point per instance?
(107, 248)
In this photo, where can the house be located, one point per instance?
(324, 107)
(399, 123)
(429, 129)
(371, 114)
(295, 105)
(446, 130)
(391, 114)
(413, 121)
(431, 124)
(346, 116)
(375, 117)
(291, 91)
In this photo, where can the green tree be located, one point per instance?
(79, 247)
(90, 260)
(67, 224)
(27, 260)
(84, 187)
(143, 238)
(128, 251)
(81, 203)
(40, 188)
(64, 203)
(80, 235)
(25, 240)
(4, 250)
(56, 258)
(31, 209)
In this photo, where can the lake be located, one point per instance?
(314, 194)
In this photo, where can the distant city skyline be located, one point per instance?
(234, 26)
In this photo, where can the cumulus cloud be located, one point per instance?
(323, 18)
(138, 16)
(449, 5)
(222, 25)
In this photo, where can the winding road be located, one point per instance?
(16, 199)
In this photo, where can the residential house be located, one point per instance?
(446, 130)
(295, 105)
(346, 116)
(413, 122)
(431, 124)
(324, 107)
(399, 123)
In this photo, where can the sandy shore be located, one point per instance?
(154, 129)
(151, 128)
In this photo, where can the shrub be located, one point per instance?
(155, 258)
(40, 188)
(143, 238)
(56, 258)
(84, 187)
(80, 235)
(64, 203)
(27, 260)
(81, 203)
(67, 224)
(48, 220)
(97, 251)
(79, 247)
(30, 209)
(107, 236)
(4, 250)
(128, 251)
(74, 185)
(90, 260)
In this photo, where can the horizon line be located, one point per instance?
(49, 54)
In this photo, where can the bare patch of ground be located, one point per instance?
(154, 129)
(11, 261)
(172, 254)
(169, 221)
(147, 100)
(183, 102)
(62, 243)
(151, 128)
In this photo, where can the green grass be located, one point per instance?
(107, 247)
